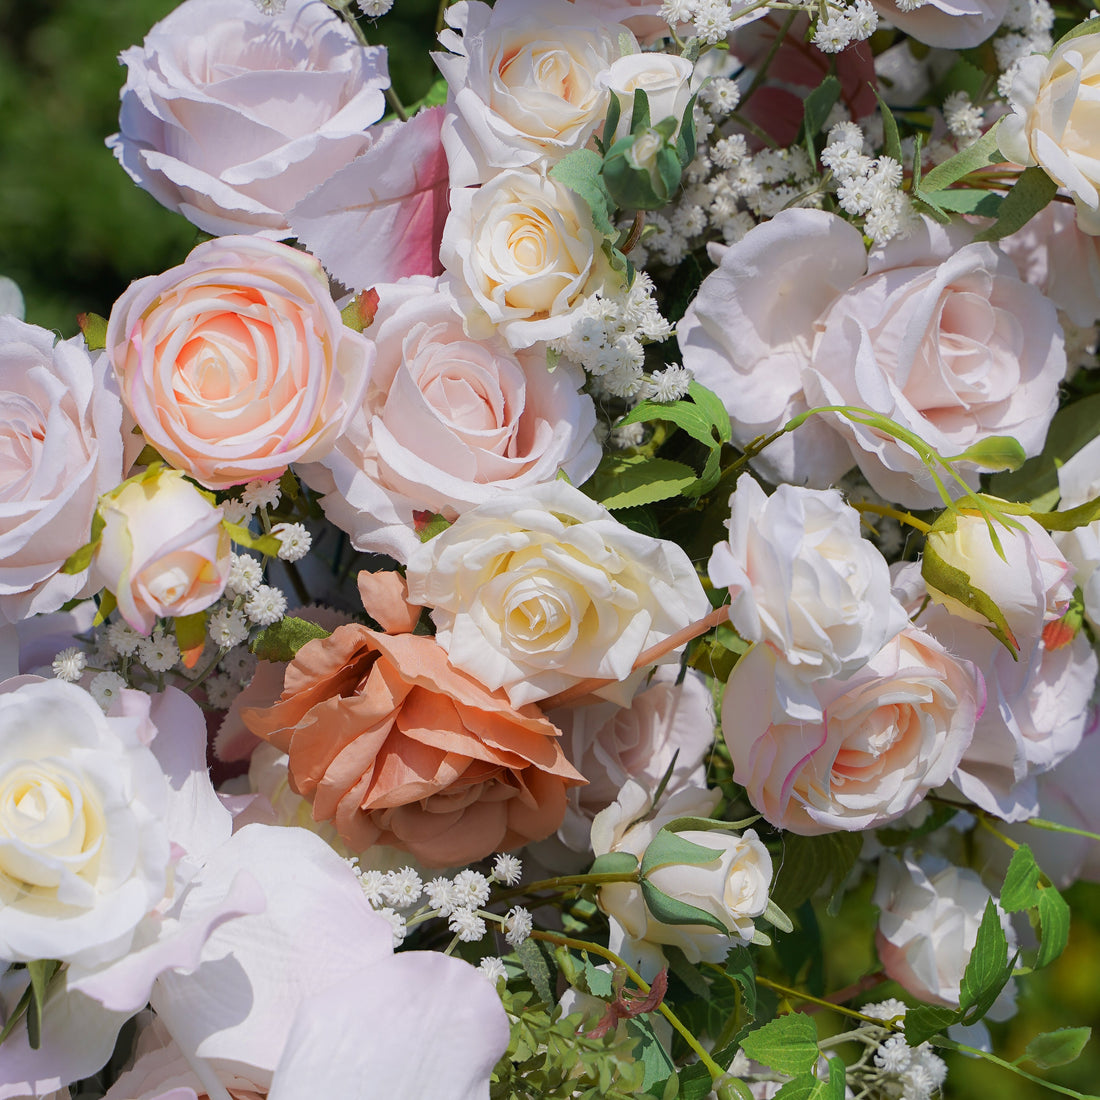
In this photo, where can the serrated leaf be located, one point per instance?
(803, 1087)
(988, 970)
(651, 1052)
(614, 863)
(669, 910)
(684, 414)
(984, 151)
(741, 967)
(282, 640)
(1054, 918)
(1033, 190)
(787, 1044)
(1057, 1048)
(810, 862)
(626, 481)
(835, 1087)
(580, 172)
(712, 408)
(924, 1021)
(534, 965)
(1021, 887)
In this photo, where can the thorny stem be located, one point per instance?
(713, 1068)
(894, 513)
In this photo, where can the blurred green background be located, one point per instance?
(74, 231)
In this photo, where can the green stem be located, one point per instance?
(950, 1044)
(755, 130)
(798, 995)
(894, 513)
(713, 1068)
(565, 882)
(1054, 827)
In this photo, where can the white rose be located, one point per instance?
(61, 446)
(522, 253)
(447, 422)
(665, 78)
(84, 848)
(928, 925)
(524, 83)
(951, 24)
(540, 589)
(805, 581)
(1053, 121)
(230, 115)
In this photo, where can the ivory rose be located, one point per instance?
(163, 551)
(522, 254)
(537, 590)
(523, 83)
(231, 115)
(237, 363)
(61, 446)
(396, 746)
(887, 735)
(928, 925)
(804, 580)
(1053, 121)
(665, 78)
(84, 848)
(447, 422)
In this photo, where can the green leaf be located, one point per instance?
(995, 452)
(1057, 1048)
(611, 121)
(94, 329)
(1033, 190)
(985, 204)
(712, 408)
(268, 545)
(988, 969)
(614, 863)
(891, 138)
(580, 172)
(924, 1021)
(811, 862)
(282, 640)
(669, 848)
(670, 910)
(1087, 27)
(816, 110)
(788, 1044)
(984, 151)
(651, 1052)
(534, 964)
(741, 967)
(626, 481)
(1081, 516)
(1021, 888)
(79, 560)
(1054, 918)
(107, 604)
(190, 633)
(639, 116)
(434, 525)
(41, 972)
(803, 1087)
(686, 145)
(834, 1088)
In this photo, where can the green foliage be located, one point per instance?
(1030, 193)
(988, 969)
(29, 1006)
(535, 966)
(282, 640)
(1057, 1048)
(810, 863)
(624, 480)
(787, 1044)
(580, 172)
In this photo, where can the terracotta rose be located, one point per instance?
(396, 747)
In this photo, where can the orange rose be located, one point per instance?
(396, 747)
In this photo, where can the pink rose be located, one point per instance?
(888, 734)
(61, 446)
(237, 363)
(447, 423)
(642, 17)
(163, 551)
(951, 24)
(230, 115)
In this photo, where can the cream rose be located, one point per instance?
(890, 733)
(61, 446)
(804, 580)
(447, 422)
(665, 78)
(84, 848)
(230, 115)
(163, 551)
(523, 82)
(522, 254)
(1055, 110)
(537, 590)
(237, 363)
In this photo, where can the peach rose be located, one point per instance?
(237, 363)
(395, 746)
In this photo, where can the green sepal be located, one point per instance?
(81, 559)
(42, 972)
(686, 145)
(707, 824)
(669, 848)
(107, 604)
(670, 911)
(1033, 190)
(282, 640)
(614, 863)
(611, 122)
(639, 115)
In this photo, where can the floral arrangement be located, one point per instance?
(549, 547)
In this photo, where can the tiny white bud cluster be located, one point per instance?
(843, 26)
(294, 540)
(963, 119)
(261, 494)
(867, 188)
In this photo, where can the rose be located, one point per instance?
(890, 733)
(163, 551)
(61, 446)
(540, 589)
(928, 925)
(803, 580)
(237, 363)
(642, 17)
(84, 847)
(732, 887)
(667, 725)
(523, 83)
(447, 422)
(1052, 122)
(522, 253)
(230, 115)
(415, 753)
(950, 24)
(665, 78)
(1030, 585)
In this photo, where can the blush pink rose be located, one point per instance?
(237, 363)
(61, 446)
(888, 735)
(230, 115)
(642, 17)
(447, 423)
